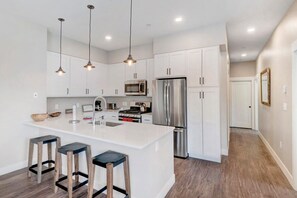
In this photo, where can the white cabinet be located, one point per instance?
(57, 86)
(170, 65)
(204, 123)
(136, 71)
(147, 118)
(97, 80)
(78, 77)
(150, 76)
(111, 116)
(203, 67)
(116, 80)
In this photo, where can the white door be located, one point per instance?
(241, 104)
(116, 80)
(130, 72)
(194, 63)
(210, 65)
(177, 62)
(195, 123)
(140, 70)
(211, 124)
(161, 65)
(96, 80)
(78, 77)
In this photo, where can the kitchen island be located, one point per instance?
(149, 147)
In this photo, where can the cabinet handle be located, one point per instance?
(86, 91)
(67, 91)
(199, 80)
(116, 92)
(136, 75)
(202, 94)
(102, 91)
(148, 90)
(169, 71)
(203, 80)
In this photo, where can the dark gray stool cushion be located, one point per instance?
(44, 139)
(75, 147)
(109, 157)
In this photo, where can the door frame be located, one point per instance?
(294, 114)
(245, 79)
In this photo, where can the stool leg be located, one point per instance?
(89, 157)
(127, 176)
(39, 163)
(109, 175)
(76, 167)
(58, 145)
(91, 181)
(69, 173)
(30, 158)
(57, 168)
(49, 153)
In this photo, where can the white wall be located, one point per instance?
(243, 69)
(75, 48)
(212, 35)
(22, 72)
(138, 53)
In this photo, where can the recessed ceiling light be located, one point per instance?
(108, 37)
(251, 29)
(178, 19)
(243, 55)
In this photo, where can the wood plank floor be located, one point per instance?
(248, 172)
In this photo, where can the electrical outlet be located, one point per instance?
(125, 104)
(56, 106)
(281, 144)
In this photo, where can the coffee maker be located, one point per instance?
(98, 105)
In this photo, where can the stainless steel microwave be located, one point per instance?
(136, 88)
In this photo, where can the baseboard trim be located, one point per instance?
(278, 160)
(167, 187)
(13, 167)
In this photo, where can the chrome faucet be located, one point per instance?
(105, 103)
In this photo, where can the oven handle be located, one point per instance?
(133, 119)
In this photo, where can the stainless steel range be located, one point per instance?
(134, 113)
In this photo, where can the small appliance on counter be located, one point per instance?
(112, 106)
(134, 113)
(98, 105)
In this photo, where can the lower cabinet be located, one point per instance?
(147, 119)
(204, 139)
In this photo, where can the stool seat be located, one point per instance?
(44, 139)
(109, 157)
(75, 148)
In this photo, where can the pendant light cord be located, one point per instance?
(61, 26)
(130, 28)
(90, 30)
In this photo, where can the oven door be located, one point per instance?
(127, 119)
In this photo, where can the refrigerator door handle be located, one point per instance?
(165, 101)
(168, 104)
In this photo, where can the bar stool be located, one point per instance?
(48, 139)
(109, 160)
(70, 150)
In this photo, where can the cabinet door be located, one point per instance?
(150, 76)
(210, 66)
(57, 86)
(211, 124)
(130, 72)
(116, 79)
(161, 65)
(140, 70)
(195, 139)
(96, 80)
(78, 77)
(194, 64)
(177, 63)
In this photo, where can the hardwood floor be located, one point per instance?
(248, 172)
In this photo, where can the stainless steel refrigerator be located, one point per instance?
(170, 109)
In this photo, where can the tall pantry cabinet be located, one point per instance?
(204, 103)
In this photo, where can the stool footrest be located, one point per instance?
(115, 188)
(31, 168)
(74, 187)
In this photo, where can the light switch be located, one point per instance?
(285, 106)
(285, 89)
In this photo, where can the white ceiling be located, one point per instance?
(112, 17)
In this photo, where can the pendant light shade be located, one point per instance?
(89, 66)
(60, 71)
(130, 59)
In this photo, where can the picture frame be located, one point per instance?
(265, 83)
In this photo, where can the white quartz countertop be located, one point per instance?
(133, 135)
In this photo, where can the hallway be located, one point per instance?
(248, 172)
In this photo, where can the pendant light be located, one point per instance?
(130, 59)
(60, 71)
(89, 66)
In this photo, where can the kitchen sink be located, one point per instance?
(109, 124)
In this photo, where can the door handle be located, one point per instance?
(250, 106)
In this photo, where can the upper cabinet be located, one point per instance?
(170, 65)
(97, 80)
(78, 77)
(203, 67)
(116, 79)
(150, 76)
(136, 71)
(57, 86)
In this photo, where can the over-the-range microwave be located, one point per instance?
(136, 88)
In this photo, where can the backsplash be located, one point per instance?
(60, 104)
